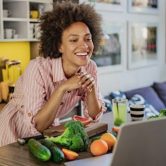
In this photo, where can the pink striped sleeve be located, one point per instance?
(34, 90)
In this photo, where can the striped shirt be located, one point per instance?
(33, 89)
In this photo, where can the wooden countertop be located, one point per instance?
(15, 154)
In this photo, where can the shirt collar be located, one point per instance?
(58, 73)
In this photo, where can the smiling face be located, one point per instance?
(76, 47)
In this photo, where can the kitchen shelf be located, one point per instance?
(16, 16)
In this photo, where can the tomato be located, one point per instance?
(115, 129)
(83, 120)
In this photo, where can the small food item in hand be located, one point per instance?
(83, 120)
(69, 154)
(110, 139)
(38, 150)
(98, 147)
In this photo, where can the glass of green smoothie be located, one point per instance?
(119, 109)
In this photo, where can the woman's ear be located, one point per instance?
(60, 48)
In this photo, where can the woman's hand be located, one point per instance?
(79, 80)
(87, 81)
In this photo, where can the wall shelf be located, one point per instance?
(16, 16)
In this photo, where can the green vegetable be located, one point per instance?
(74, 137)
(38, 150)
(77, 143)
(56, 154)
(161, 114)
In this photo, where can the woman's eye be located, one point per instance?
(89, 39)
(73, 40)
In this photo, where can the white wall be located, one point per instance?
(134, 78)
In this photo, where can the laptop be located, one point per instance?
(140, 143)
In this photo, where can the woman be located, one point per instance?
(53, 83)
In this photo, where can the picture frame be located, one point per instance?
(142, 6)
(142, 44)
(111, 52)
(109, 5)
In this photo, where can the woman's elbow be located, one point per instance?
(40, 128)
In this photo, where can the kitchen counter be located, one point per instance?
(15, 154)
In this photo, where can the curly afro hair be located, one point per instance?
(54, 22)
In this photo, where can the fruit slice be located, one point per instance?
(69, 154)
(110, 139)
(83, 120)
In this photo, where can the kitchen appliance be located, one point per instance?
(13, 69)
(10, 71)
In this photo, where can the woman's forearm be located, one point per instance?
(47, 114)
(93, 105)
(45, 117)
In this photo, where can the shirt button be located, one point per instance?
(29, 114)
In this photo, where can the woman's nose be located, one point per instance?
(84, 44)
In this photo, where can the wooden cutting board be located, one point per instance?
(92, 129)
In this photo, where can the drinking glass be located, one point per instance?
(119, 108)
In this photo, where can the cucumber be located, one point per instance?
(56, 154)
(38, 150)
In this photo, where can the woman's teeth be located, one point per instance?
(81, 54)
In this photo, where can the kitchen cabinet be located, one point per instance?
(19, 19)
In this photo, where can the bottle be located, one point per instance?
(41, 9)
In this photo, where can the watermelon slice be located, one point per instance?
(83, 120)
